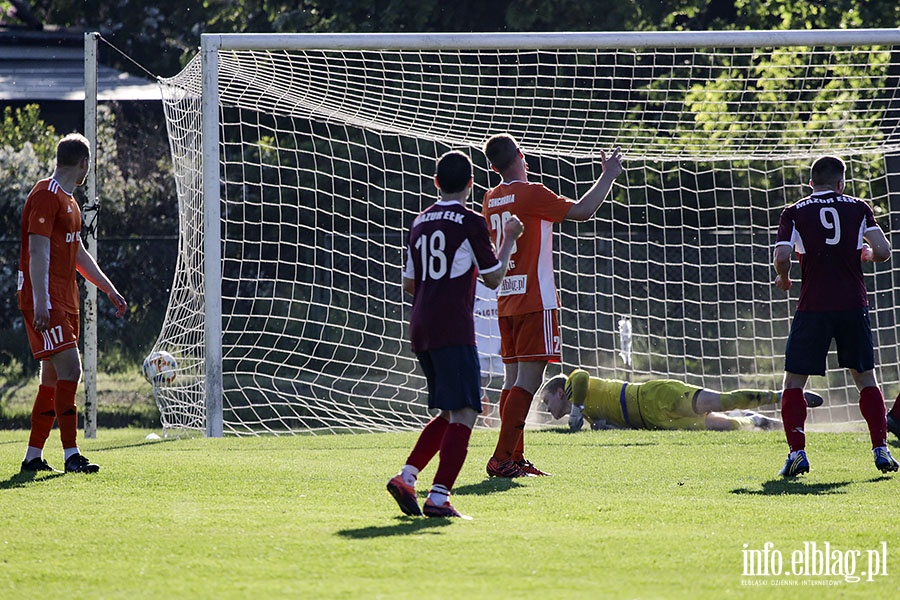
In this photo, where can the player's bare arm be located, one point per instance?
(783, 267)
(879, 246)
(38, 271)
(512, 230)
(585, 208)
(91, 271)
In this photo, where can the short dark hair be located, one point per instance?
(71, 149)
(501, 150)
(827, 171)
(553, 385)
(556, 383)
(454, 171)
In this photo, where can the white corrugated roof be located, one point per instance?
(57, 73)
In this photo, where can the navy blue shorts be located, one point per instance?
(811, 335)
(454, 377)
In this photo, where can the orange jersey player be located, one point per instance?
(530, 285)
(51, 212)
(528, 303)
(51, 254)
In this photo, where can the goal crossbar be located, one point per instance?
(561, 41)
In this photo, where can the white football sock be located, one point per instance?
(31, 453)
(439, 495)
(409, 474)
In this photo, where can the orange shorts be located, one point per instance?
(60, 335)
(530, 337)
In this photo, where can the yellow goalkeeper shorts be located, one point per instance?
(668, 404)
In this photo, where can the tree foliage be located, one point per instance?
(27, 151)
(164, 34)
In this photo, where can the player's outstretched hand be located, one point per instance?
(612, 164)
(513, 228)
(783, 283)
(116, 298)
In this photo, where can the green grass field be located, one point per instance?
(625, 515)
(123, 400)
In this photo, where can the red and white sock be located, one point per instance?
(871, 405)
(410, 475)
(793, 415)
(453, 454)
(428, 444)
(438, 495)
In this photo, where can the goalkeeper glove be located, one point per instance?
(576, 419)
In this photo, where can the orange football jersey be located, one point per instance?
(52, 212)
(530, 282)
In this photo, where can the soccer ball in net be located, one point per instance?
(159, 367)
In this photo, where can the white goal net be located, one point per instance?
(302, 159)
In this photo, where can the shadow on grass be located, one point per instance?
(23, 479)
(491, 485)
(596, 438)
(404, 526)
(796, 487)
(562, 430)
(136, 444)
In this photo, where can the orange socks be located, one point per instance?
(512, 423)
(67, 412)
(501, 406)
(43, 416)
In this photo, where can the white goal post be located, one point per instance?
(302, 158)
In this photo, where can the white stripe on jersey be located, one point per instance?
(54, 186)
(797, 242)
(548, 332)
(48, 341)
(463, 260)
(546, 281)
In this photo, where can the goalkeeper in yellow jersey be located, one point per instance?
(657, 404)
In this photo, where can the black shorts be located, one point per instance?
(454, 377)
(811, 335)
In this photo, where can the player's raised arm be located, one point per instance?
(585, 208)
